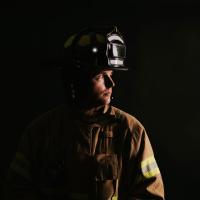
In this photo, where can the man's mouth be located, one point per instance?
(107, 93)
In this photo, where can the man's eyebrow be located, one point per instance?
(105, 73)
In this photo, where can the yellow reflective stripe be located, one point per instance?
(114, 198)
(152, 173)
(147, 161)
(149, 167)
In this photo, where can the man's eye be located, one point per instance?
(97, 77)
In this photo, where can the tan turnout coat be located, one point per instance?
(65, 154)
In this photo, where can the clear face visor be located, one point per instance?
(116, 53)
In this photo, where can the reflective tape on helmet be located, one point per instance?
(115, 37)
(149, 167)
(116, 62)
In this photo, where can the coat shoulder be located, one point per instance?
(53, 115)
(128, 119)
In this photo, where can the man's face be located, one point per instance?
(101, 87)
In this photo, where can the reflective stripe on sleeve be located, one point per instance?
(114, 198)
(21, 165)
(149, 167)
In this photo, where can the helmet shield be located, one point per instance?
(116, 54)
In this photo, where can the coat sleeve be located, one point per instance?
(19, 182)
(142, 177)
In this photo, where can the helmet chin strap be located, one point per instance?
(73, 91)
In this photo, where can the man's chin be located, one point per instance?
(102, 101)
(106, 101)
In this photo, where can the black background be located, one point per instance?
(161, 90)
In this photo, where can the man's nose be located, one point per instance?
(109, 82)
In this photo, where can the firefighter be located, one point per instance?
(86, 149)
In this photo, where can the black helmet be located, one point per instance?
(95, 49)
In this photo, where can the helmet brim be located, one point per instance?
(115, 68)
